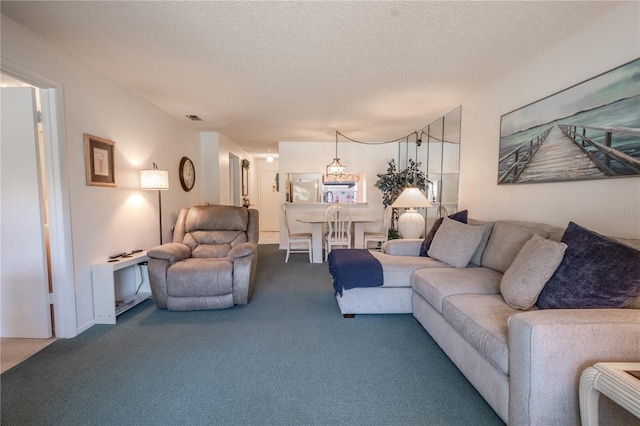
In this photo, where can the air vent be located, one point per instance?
(194, 117)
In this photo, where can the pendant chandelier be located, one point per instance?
(335, 168)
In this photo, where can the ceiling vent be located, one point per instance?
(193, 117)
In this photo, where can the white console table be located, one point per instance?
(614, 380)
(103, 276)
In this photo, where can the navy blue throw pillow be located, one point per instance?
(426, 244)
(596, 272)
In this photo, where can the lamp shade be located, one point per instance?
(335, 168)
(154, 179)
(411, 197)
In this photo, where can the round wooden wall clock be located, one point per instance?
(187, 174)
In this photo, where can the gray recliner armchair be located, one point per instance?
(211, 263)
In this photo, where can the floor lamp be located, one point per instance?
(411, 223)
(154, 179)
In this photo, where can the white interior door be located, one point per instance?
(269, 200)
(24, 292)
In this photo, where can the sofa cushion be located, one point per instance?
(212, 225)
(635, 243)
(230, 238)
(455, 242)
(210, 250)
(215, 217)
(596, 272)
(436, 284)
(477, 256)
(396, 270)
(460, 216)
(200, 277)
(531, 269)
(199, 303)
(402, 247)
(482, 321)
(505, 243)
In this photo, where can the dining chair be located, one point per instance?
(297, 241)
(382, 235)
(338, 229)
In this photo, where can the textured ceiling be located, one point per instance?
(263, 72)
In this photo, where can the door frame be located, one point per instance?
(235, 191)
(58, 199)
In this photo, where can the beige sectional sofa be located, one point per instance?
(525, 363)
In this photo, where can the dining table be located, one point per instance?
(318, 220)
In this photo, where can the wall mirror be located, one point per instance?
(304, 187)
(245, 178)
(442, 165)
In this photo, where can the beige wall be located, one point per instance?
(216, 148)
(608, 44)
(105, 221)
(108, 220)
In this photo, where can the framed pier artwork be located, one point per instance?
(588, 131)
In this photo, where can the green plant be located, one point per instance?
(246, 164)
(394, 181)
(393, 234)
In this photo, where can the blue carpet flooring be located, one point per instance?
(286, 358)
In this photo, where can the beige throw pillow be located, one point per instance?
(455, 242)
(533, 266)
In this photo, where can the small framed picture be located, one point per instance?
(99, 160)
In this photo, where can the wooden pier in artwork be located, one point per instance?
(560, 153)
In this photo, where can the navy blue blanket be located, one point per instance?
(353, 268)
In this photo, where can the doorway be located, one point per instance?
(57, 207)
(26, 272)
(269, 200)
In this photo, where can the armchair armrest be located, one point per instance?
(242, 250)
(160, 259)
(549, 349)
(245, 261)
(403, 247)
(172, 252)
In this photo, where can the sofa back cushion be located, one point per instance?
(508, 237)
(212, 230)
(477, 256)
(635, 243)
(213, 243)
(216, 218)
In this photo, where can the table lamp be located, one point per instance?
(411, 223)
